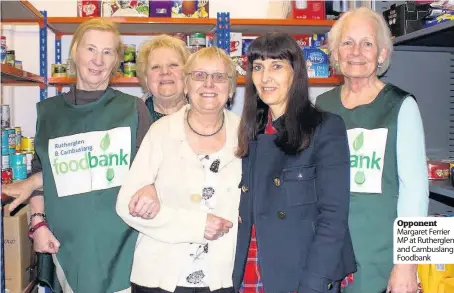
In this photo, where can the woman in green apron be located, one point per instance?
(387, 153)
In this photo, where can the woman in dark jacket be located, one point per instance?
(295, 184)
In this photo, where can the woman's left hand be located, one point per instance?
(403, 279)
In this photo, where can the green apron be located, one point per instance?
(86, 151)
(374, 183)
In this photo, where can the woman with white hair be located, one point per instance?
(388, 173)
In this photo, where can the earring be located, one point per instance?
(229, 103)
(187, 98)
(379, 65)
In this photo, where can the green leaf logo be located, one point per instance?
(359, 141)
(105, 142)
(110, 174)
(360, 178)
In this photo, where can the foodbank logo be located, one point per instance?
(363, 162)
(105, 143)
(90, 161)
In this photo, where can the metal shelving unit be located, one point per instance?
(439, 38)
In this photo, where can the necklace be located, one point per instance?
(201, 134)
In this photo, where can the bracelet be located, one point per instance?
(42, 215)
(36, 227)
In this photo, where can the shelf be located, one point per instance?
(115, 81)
(291, 26)
(440, 35)
(14, 76)
(442, 187)
(321, 81)
(134, 81)
(19, 11)
(138, 25)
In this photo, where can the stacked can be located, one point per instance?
(129, 61)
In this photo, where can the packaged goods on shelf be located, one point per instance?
(88, 8)
(3, 49)
(6, 116)
(134, 8)
(59, 70)
(438, 170)
(406, 18)
(308, 9)
(448, 16)
(129, 69)
(161, 8)
(190, 9)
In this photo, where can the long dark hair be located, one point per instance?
(300, 117)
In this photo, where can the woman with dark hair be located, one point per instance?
(295, 183)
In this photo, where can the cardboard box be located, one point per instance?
(190, 8)
(88, 8)
(160, 8)
(125, 8)
(405, 18)
(308, 10)
(317, 62)
(18, 250)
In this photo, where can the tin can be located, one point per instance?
(29, 159)
(10, 57)
(5, 162)
(7, 176)
(58, 70)
(129, 69)
(18, 163)
(70, 71)
(6, 116)
(5, 144)
(130, 54)
(11, 140)
(18, 64)
(27, 144)
(18, 138)
(197, 39)
(3, 49)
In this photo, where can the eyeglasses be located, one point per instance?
(218, 77)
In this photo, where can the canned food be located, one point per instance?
(27, 144)
(7, 176)
(18, 64)
(5, 144)
(29, 159)
(59, 70)
(130, 53)
(70, 71)
(3, 49)
(18, 163)
(18, 137)
(129, 69)
(6, 116)
(12, 140)
(197, 39)
(10, 57)
(5, 162)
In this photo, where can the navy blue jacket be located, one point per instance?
(299, 205)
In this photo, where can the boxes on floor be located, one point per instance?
(308, 9)
(18, 250)
(122, 8)
(190, 8)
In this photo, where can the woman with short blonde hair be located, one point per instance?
(160, 63)
(85, 141)
(188, 243)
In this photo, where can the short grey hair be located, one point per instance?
(383, 35)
